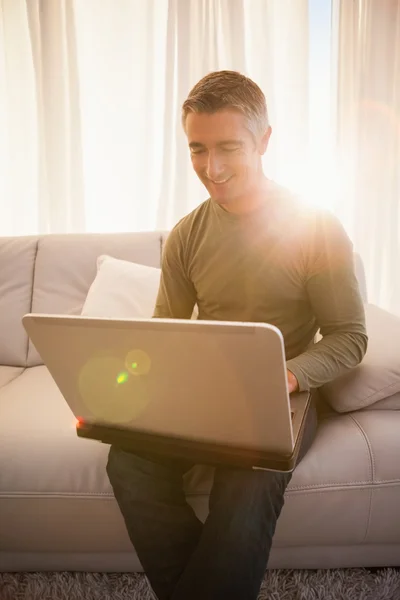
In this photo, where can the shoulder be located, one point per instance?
(325, 231)
(313, 224)
(325, 243)
(316, 233)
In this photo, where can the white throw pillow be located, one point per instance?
(378, 375)
(122, 289)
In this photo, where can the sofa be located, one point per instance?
(57, 510)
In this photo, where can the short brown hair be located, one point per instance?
(229, 89)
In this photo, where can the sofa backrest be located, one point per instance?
(17, 265)
(53, 273)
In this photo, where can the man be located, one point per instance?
(251, 252)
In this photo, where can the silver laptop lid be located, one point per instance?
(208, 381)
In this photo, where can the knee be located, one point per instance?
(248, 487)
(269, 488)
(126, 477)
(112, 466)
(118, 466)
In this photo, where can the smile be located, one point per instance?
(220, 182)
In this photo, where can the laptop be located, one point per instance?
(212, 392)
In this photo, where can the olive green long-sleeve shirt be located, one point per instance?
(284, 264)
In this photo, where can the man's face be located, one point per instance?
(224, 154)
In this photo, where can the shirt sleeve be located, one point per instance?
(176, 295)
(336, 302)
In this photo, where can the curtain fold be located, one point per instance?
(368, 139)
(18, 123)
(59, 152)
(41, 177)
(122, 74)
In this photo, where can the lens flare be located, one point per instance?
(122, 377)
(109, 392)
(137, 362)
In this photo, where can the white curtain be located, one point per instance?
(41, 180)
(90, 100)
(368, 138)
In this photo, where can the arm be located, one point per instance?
(335, 298)
(176, 295)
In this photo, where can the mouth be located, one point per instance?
(220, 182)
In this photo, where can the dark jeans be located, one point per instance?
(184, 559)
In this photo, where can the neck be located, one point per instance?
(251, 201)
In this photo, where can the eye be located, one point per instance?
(230, 149)
(197, 150)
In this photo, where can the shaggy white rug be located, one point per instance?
(337, 584)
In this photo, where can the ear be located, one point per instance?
(263, 145)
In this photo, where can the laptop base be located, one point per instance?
(196, 452)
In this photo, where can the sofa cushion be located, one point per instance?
(17, 261)
(378, 375)
(122, 289)
(66, 266)
(390, 403)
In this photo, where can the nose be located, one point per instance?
(215, 166)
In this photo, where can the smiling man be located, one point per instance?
(251, 252)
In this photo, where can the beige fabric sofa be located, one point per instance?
(57, 510)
